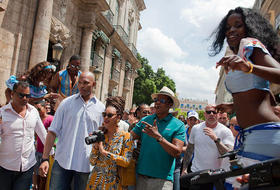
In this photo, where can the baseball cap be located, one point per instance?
(193, 114)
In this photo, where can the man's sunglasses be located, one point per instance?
(109, 115)
(22, 95)
(209, 112)
(163, 101)
(75, 66)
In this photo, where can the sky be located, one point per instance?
(175, 36)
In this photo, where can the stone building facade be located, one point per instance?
(271, 10)
(102, 32)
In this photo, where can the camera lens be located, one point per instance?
(90, 140)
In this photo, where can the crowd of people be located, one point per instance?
(145, 147)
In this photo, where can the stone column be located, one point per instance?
(86, 48)
(122, 75)
(122, 12)
(134, 75)
(106, 73)
(41, 35)
(136, 22)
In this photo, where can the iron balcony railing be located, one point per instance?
(97, 62)
(122, 33)
(133, 49)
(109, 15)
(115, 75)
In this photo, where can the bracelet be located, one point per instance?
(251, 67)
(160, 139)
(44, 159)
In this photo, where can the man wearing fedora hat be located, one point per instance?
(162, 137)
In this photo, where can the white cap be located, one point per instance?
(152, 105)
(193, 114)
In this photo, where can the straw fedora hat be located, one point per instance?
(166, 91)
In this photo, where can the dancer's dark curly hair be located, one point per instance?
(256, 26)
(117, 102)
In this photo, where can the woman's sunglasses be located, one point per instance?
(109, 115)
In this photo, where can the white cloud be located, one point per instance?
(205, 15)
(159, 47)
(193, 81)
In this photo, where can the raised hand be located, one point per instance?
(151, 130)
(233, 62)
(227, 107)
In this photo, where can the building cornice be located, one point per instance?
(96, 5)
(140, 4)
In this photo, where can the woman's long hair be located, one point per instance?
(36, 72)
(256, 26)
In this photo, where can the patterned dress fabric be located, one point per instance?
(104, 175)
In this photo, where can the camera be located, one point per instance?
(96, 136)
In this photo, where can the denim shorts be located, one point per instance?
(262, 142)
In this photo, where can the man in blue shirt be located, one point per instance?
(162, 137)
(76, 117)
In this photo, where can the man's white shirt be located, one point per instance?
(73, 121)
(17, 150)
(205, 149)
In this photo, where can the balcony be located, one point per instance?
(114, 78)
(97, 62)
(115, 75)
(133, 49)
(122, 33)
(109, 15)
(127, 83)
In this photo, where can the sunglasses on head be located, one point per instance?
(109, 115)
(163, 101)
(209, 112)
(22, 95)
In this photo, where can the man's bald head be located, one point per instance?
(86, 84)
(88, 75)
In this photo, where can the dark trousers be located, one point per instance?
(185, 183)
(61, 178)
(13, 180)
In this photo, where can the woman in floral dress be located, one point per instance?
(116, 150)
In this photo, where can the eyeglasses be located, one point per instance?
(75, 66)
(163, 101)
(146, 112)
(131, 112)
(109, 115)
(209, 112)
(22, 95)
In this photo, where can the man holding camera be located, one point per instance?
(76, 117)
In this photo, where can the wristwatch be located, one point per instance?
(218, 140)
(44, 159)
(160, 139)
